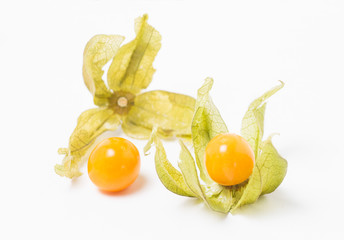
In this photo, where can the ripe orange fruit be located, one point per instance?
(229, 159)
(114, 164)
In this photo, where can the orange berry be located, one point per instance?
(229, 159)
(114, 164)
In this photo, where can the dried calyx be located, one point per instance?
(121, 101)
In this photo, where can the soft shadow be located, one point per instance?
(189, 203)
(76, 182)
(139, 183)
(270, 204)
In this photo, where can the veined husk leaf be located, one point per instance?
(251, 191)
(269, 170)
(189, 171)
(252, 128)
(170, 177)
(132, 68)
(206, 124)
(98, 51)
(171, 113)
(268, 173)
(90, 125)
(272, 166)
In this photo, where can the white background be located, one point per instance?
(246, 46)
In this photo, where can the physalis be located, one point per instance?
(121, 102)
(269, 167)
